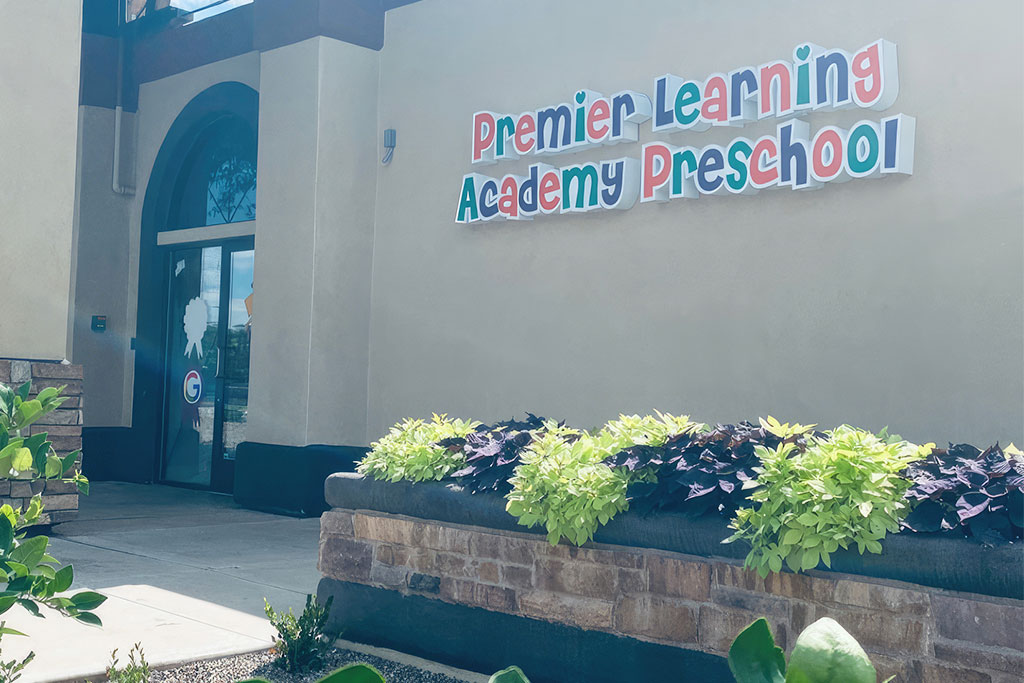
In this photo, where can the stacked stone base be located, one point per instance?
(918, 634)
(63, 427)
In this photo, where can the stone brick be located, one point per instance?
(517, 577)
(424, 583)
(5, 488)
(61, 416)
(508, 549)
(337, 522)
(5, 371)
(56, 371)
(65, 444)
(882, 597)
(617, 558)
(976, 621)
(756, 603)
(488, 571)
(673, 577)
(927, 672)
(902, 669)
(60, 502)
(383, 528)
(799, 586)
(55, 486)
(881, 632)
(448, 564)
(719, 626)
(632, 581)
(346, 559)
(955, 652)
(583, 612)
(388, 576)
(450, 539)
(58, 430)
(71, 387)
(576, 578)
(655, 617)
(57, 516)
(21, 372)
(26, 489)
(466, 592)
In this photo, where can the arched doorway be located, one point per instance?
(195, 291)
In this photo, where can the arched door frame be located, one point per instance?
(229, 98)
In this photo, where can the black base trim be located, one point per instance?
(289, 480)
(480, 640)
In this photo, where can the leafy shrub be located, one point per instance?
(823, 653)
(702, 470)
(30, 574)
(977, 493)
(135, 671)
(302, 641)
(564, 483)
(844, 489)
(411, 450)
(492, 452)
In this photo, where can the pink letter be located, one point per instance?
(483, 136)
(656, 171)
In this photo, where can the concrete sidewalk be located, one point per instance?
(185, 573)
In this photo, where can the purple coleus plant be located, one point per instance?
(492, 453)
(697, 473)
(962, 489)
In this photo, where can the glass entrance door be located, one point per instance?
(209, 328)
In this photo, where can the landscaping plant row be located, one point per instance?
(794, 494)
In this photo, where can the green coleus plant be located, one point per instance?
(843, 490)
(824, 653)
(411, 451)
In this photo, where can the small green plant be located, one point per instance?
(135, 671)
(845, 489)
(824, 653)
(302, 640)
(11, 671)
(411, 451)
(513, 674)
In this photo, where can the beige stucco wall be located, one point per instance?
(39, 62)
(894, 301)
(315, 202)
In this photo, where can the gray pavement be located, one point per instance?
(185, 573)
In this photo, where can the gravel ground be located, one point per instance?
(260, 665)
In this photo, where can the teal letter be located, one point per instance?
(738, 180)
(467, 202)
(583, 175)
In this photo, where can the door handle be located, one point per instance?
(217, 372)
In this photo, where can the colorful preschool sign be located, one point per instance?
(816, 80)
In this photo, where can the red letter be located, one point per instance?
(550, 182)
(483, 136)
(600, 112)
(719, 103)
(657, 155)
(508, 203)
(867, 65)
(819, 169)
(526, 133)
(768, 174)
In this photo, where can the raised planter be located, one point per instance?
(64, 429)
(400, 557)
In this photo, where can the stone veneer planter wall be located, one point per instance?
(698, 603)
(63, 427)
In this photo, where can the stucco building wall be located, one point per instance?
(39, 64)
(892, 301)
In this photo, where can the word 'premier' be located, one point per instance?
(816, 80)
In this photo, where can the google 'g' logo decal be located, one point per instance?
(193, 386)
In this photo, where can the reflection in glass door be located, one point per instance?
(209, 328)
